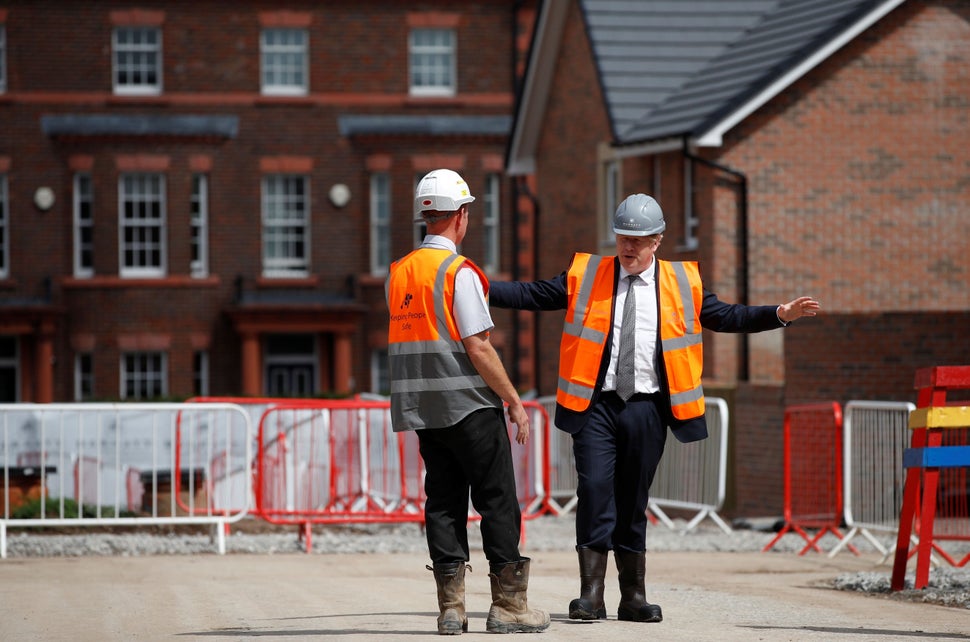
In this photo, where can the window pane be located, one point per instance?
(200, 374)
(137, 60)
(143, 375)
(198, 226)
(83, 226)
(285, 220)
(432, 61)
(142, 224)
(84, 377)
(380, 205)
(284, 61)
(490, 223)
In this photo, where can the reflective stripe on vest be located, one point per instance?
(681, 336)
(587, 324)
(590, 284)
(433, 382)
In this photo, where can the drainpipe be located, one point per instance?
(520, 187)
(742, 196)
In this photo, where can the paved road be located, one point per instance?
(705, 596)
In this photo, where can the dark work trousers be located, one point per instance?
(617, 453)
(476, 455)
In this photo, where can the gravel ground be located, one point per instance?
(948, 586)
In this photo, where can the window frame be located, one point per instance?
(83, 220)
(276, 63)
(157, 223)
(491, 221)
(427, 62)
(199, 226)
(419, 229)
(200, 373)
(380, 377)
(83, 376)
(120, 64)
(380, 223)
(145, 374)
(291, 265)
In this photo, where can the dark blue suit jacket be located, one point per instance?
(715, 315)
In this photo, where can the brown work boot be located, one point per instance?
(450, 579)
(592, 571)
(510, 612)
(631, 568)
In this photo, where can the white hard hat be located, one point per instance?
(441, 190)
(639, 215)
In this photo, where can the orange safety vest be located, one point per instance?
(590, 283)
(433, 381)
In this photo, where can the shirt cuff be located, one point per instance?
(783, 323)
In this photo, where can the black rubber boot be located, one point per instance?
(592, 572)
(634, 607)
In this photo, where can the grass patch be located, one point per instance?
(52, 507)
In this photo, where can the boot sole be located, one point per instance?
(582, 614)
(514, 627)
(634, 617)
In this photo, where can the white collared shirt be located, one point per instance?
(470, 306)
(646, 337)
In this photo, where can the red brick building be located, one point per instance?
(797, 147)
(203, 198)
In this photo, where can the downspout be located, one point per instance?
(521, 188)
(742, 196)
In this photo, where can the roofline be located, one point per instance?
(714, 137)
(523, 142)
(647, 148)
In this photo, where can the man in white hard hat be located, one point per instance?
(448, 384)
(630, 365)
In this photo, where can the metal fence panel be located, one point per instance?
(87, 464)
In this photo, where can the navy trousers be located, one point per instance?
(472, 458)
(617, 453)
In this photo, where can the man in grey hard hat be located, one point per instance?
(630, 364)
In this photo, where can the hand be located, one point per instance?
(520, 418)
(803, 306)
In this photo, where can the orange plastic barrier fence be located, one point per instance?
(813, 473)
(934, 498)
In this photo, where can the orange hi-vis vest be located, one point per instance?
(590, 283)
(433, 381)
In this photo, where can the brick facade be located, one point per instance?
(358, 65)
(849, 186)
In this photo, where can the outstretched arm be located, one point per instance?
(803, 306)
(549, 294)
(719, 316)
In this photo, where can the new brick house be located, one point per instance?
(797, 147)
(203, 198)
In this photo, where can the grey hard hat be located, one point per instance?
(639, 215)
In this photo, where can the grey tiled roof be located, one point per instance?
(673, 68)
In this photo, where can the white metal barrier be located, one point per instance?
(875, 434)
(101, 464)
(690, 476)
(693, 476)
